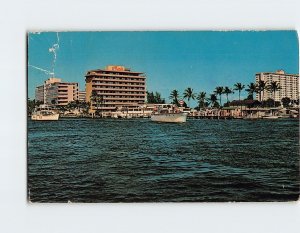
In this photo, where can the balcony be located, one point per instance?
(116, 85)
(117, 94)
(116, 75)
(117, 89)
(117, 80)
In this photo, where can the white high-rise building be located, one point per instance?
(54, 91)
(289, 85)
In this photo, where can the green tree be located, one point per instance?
(239, 87)
(72, 105)
(30, 105)
(227, 91)
(261, 87)
(252, 88)
(219, 91)
(188, 93)
(213, 100)
(96, 99)
(154, 98)
(86, 107)
(174, 95)
(158, 99)
(53, 101)
(62, 108)
(201, 99)
(150, 97)
(268, 103)
(285, 101)
(273, 87)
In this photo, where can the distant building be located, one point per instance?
(57, 92)
(39, 93)
(289, 85)
(82, 96)
(117, 85)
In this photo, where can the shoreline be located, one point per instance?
(189, 117)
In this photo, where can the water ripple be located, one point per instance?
(136, 160)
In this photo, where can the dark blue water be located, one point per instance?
(110, 160)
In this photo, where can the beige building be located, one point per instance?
(289, 85)
(57, 92)
(82, 96)
(118, 86)
(39, 93)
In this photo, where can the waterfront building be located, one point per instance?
(39, 93)
(54, 91)
(289, 85)
(82, 96)
(116, 86)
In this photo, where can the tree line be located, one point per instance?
(84, 106)
(204, 100)
(215, 99)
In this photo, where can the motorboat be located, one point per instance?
(252, 117)
(44, 113)
(168, 113)
(270, 117)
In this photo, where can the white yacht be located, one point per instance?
(271, 117)
(44, 113)
(168, 113)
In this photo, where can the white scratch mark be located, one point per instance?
(43, 70)
(54, 50)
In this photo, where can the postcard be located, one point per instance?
(162, 116)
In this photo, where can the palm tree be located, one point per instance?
(71, 105)
(188, 93)
(174, 96)
(53, 101)
(30, 105)
(201, 99)
(227, 91)
(273, 87)
(252, 88)
(261, 87)
(239, 87)
(213, 99)
(86, 107)
(150, 97)
(219, 91)
(154, 98)
(95, 98)
(286, 101)
(158, 99)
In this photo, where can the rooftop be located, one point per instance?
(113, 69)
(278, 72)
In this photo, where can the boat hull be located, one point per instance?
(52, 117)
(169, 117)
(270, 117)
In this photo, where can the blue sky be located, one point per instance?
(201, 60)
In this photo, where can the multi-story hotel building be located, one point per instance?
(118, 86)
(39, 93)
(82, 96)
(56, 92)
(289, 85)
